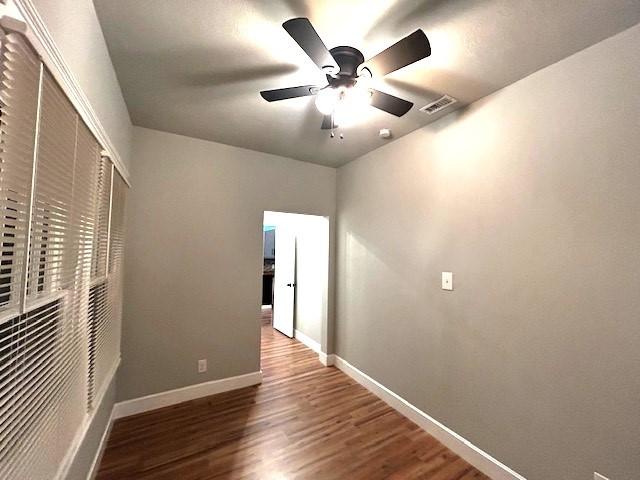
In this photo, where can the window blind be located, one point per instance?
(26, 352)
(60, 292)
(102, 344)
(100, 340)
(86, 183)
(103, 205)
(108, 296)
(116, 233)
(19, 87)
(52, 263)
(32, 349)
(56, 258)
(84, 227)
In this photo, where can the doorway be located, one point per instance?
(268, 272)
(295, 276)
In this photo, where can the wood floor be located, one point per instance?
(305, 421)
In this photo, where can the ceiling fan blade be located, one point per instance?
(306, 36)
(410, 49)
(285, 93)
(390, 104)
(327, 123)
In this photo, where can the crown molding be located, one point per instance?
(42, 41)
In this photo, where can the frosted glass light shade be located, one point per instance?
(352, 106)
(326, 100)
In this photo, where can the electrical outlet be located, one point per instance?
(597, 476)
(202, 365)
(447, 281)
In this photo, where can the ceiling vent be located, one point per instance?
(440, 104)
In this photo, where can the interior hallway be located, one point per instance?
(304, 422)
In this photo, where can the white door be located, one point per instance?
(284, 280)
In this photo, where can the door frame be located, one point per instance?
(326, 324)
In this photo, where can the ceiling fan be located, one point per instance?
(348, 75)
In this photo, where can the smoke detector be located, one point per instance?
(440, 104)
(385, 133)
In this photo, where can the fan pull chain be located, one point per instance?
(333, 125)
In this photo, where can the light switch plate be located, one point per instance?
(202, 365)
(447, 280)
(597, 476)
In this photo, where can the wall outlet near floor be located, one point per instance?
(202, 365)
(447, 280)
(597, 476)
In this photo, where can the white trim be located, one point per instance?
(327, 360)
(99, 396)
(93, 470)
(42, 41)
(70, 456)
(179, 395)
(455, 442)
(307, 340)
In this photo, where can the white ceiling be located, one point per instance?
(195, 67)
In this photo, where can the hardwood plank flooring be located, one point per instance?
(304, 422)
(266, 315)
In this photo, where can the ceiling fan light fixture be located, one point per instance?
(346, 104)
(359, 95)
(352, 105)
(349, 75)
(326, 100)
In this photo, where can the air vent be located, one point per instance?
(442, 103)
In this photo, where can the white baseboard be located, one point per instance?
(308, 341)
(93, 471)
(326, 360)
(456, 443)
(179, 395)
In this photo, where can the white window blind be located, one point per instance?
(84, 227)
(60, 293)
(51, 254)
(116, 234)
(101, 238)
(54, 261)
(19, 86)
(33, 351)
(105, 311)
(86, 183)
(24, 343)
(103, 346)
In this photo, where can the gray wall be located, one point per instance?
(194, 255)
(83, 461)
(76, 31)
(532, 198)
